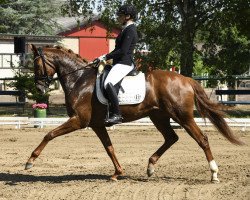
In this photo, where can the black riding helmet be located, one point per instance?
(128, 10)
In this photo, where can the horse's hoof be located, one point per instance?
(150, 171)
(28, 166)
(113, 178)
(215, 180)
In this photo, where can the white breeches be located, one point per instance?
(117, 72)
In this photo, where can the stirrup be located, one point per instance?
(115, 119)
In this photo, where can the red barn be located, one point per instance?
(89, 39)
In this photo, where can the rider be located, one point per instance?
(122, 57)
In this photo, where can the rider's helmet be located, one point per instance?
(128, 10)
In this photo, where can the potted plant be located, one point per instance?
(40, 110)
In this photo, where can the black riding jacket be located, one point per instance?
(124, 46)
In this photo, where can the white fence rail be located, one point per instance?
(19, 122)
(16, 121)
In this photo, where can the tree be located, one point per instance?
(169, 28)
(230, 53)
(29, 16)
(226, 41)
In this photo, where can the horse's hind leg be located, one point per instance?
(195, 132)
(104, 137)
(162, 123)
(71, 125)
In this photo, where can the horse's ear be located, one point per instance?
(33, 48)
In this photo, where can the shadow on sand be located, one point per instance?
(14, 179)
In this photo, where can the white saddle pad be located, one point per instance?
(132, 91)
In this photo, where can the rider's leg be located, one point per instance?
(117, 72)
(115, 117)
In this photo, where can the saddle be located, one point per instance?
(131, 89)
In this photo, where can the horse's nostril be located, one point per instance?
(40, 89)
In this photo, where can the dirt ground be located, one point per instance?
(76, 166)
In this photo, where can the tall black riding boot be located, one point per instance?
(115, 117)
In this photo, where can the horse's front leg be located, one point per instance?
(71, 125)
(104, 137)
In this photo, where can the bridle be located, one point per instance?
(46, 79)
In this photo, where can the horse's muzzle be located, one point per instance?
(41, 89)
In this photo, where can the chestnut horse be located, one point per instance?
(168, 95)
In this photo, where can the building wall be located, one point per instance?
(7, 59)
(111, 44)
(91, 48)
(6, 47)
(93, 40)
(96, 29)
(70, 43)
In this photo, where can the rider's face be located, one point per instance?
(121, 18)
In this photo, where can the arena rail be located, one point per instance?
(232, 122)
(41, 122)
(19, 122)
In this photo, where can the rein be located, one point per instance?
(85, 67)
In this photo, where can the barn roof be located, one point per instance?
(6, 37)
(69, 23)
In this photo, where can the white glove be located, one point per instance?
(102, 57)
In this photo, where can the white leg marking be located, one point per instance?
(214, 169)
(150, 170)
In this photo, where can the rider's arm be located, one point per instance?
(126, 41)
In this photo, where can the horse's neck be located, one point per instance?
(68, 81)
(70, 76)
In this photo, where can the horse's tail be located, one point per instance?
(213, 111)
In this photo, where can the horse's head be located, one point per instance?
(44, 69)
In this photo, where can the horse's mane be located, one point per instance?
(69, 52)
